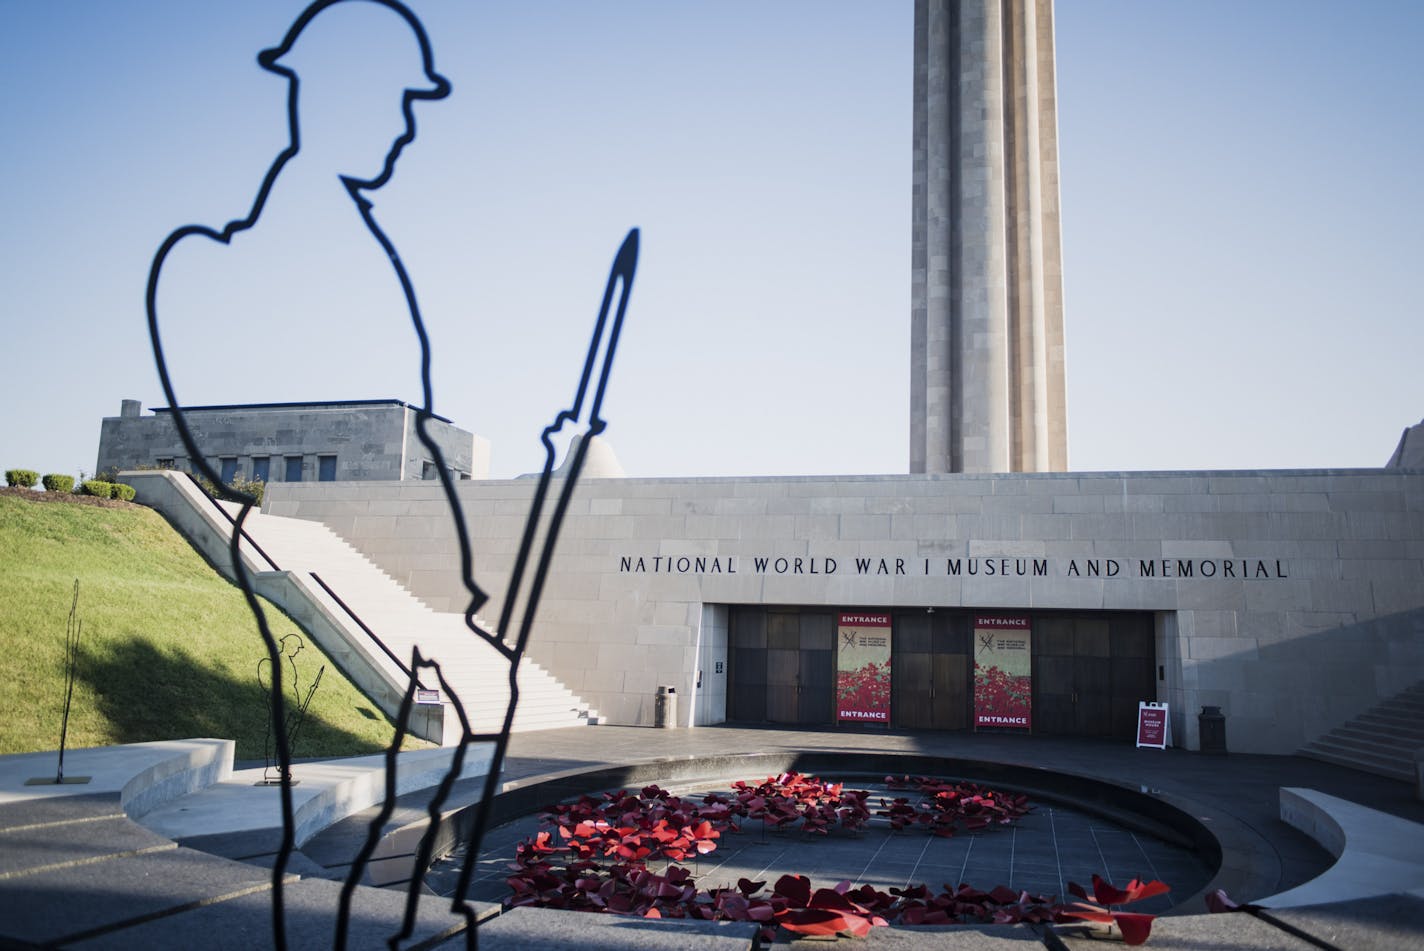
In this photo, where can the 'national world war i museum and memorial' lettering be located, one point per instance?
(990, 588)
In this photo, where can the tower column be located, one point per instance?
(986, 296)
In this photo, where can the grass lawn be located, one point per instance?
(168, 649)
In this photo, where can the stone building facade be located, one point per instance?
(1293, 600)
(359, 441)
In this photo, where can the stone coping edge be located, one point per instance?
(1375, 853)
(194, 768)
(144, 776)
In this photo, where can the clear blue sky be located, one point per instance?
(1241, 207)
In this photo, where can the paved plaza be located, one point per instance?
(77, 872)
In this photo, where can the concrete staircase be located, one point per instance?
(477, 673)
(1383, 740)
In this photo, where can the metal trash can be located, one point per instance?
(665, 708)
(1212, 730)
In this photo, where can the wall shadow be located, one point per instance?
(151, 694)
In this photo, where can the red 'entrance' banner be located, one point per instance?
(1003, 672)
(863, 669)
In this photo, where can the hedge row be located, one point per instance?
(107, 490)
(28, 478)
(95, 487)
(56, 482)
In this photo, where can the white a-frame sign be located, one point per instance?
(1154, 726)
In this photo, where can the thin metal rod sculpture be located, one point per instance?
(72, 629)
(291, 645)
(538, 541)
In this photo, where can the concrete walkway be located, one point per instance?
(76, 870)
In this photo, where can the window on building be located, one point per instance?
(427, 470)
(326, 468)
(229, 468)
(294, 469)
(261, 468)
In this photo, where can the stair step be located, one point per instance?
(1382, 740)
(1367, 742)
(402, 622)
(1356, 754)
(1376, 733)
(1348, 744)
(1365, 764)
(1413, 726)
(1345, 751)
(1389, 727)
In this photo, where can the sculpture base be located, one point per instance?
(56, 780)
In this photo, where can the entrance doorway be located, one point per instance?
(782, 666)
(929, 662)
(1090, 669)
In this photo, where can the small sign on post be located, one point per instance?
(1154, 726)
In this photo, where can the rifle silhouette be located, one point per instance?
(536, 547)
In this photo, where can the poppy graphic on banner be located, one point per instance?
(1003, 672)
(863, 669)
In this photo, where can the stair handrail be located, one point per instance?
(356, 618)
(242, 532)
(350, 612)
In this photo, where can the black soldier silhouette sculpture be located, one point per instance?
(299, 312)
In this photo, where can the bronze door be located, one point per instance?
(1089, 672)
(929, 664)
(746, 665)
(782, 666)
(1134, 658)
(1072, 676)
(800, 667)
(817, 700)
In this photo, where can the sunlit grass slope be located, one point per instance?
(168, 647)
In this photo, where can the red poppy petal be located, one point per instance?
(1135, 928)
(1107, 893)
(1141, 890)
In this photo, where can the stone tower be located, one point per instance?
(986, 337)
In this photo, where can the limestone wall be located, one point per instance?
(1302, 607)
(370, 441)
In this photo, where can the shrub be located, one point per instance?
(95, 487)
(117, 490)
(252, 487)
(54, 482)
(24, 478)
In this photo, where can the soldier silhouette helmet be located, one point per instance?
(353, 57)
(324, 31)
